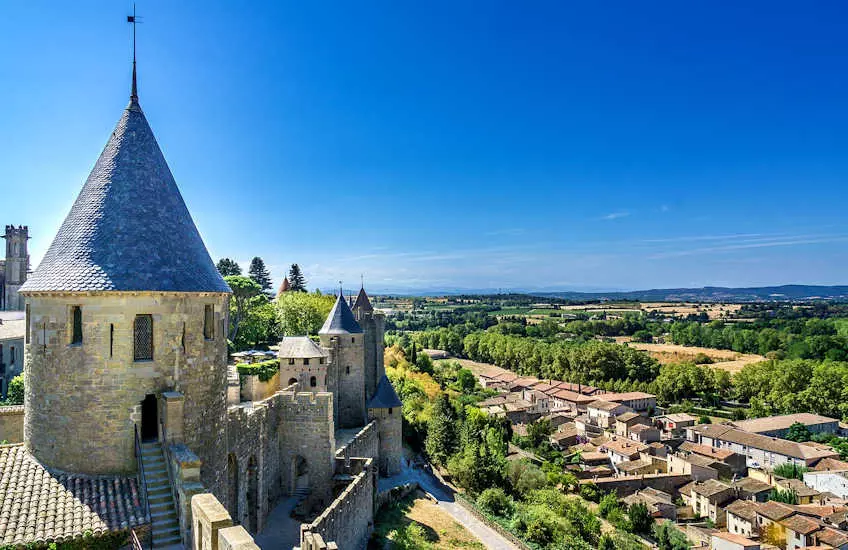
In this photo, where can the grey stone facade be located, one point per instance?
(15, 268)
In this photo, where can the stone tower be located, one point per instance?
(374, 326)
(16, 267)
(385, 407)
(343, 337)
(126, 305)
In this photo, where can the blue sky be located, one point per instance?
(567, 145)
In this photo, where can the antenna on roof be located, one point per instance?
(134, 20)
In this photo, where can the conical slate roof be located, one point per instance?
(129, 229)
(385, 397)
(362, 302)
(340, 320)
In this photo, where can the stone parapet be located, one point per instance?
(365, 443)
(349, 518)
(12, 424)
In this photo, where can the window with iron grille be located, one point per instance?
(209, 322)
(76, 325)
(143, 338)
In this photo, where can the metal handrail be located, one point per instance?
(142, 478)
(136, 544)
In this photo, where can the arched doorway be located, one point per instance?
(232, 487)
(149, 418)
(292, 381)
(252, 496)
(300, 475)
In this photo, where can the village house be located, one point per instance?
(742, 518)
(603, 413)
(659, 503)
(675, 424)
(709, 499)
(778, 426)
(624, 422)
(568, 400)
(761, 451)
(635, 400)
(835, 482)
(729, 541)
(644, 433)
(748, 488)
(728, 462)
(623, 450)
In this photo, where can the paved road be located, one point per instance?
(444, 498)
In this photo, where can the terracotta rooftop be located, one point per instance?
(706, 450)
(832, 537)
(775, 511)
(627, 416)
(627, 396)
(772, 444)
(710, 488)
(39, 506)
(745, 509)
(800, 524)
(737, 539)
(604, 405)
(782, 422)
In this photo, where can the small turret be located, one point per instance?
(343, 337)
(385, 408)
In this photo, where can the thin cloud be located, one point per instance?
(763, 244)
(615, 215)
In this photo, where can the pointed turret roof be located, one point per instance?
(362, 302)
(385, 397)
(340, 320)
(284, 286)
(129, 229)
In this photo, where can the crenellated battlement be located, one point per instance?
(349, 517)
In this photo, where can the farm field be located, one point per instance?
(431, 523)
(728, 360)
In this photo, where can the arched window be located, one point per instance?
(292, 381)
(143, 338)
(313, 382)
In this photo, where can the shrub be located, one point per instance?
(590, 492)
(15, 392)
(608, 503)
(264, 369)
(790, 470)
(496, 502)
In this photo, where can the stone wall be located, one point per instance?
(254, 389)
(12, 424)
(72, 387)
(349, 520)
(268, 441)
(373, 324)
(624, 486)
(365, 444)
(390, 427)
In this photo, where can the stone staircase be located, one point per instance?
(163, 513)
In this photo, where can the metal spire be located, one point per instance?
(134, 93)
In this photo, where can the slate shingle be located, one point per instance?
(129, 229)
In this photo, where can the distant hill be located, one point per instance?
(788, 293)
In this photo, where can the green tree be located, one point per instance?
(260, 274)
(790, 470)
(297, 282)
(798, 432)
(243, 289)
(228, 267)
(302, 313)
(785, 496)
(15, 391)
(259, 324)
(640, 518)
(441, 441)
(465, 381)
(669, 538)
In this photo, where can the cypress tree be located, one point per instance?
(259, 273)
(297, 282)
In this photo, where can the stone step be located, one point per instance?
(163, 515)
(164, 505)
(160, 498)
(159, 534)
(170, 543)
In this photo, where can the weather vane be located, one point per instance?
(134, 20)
